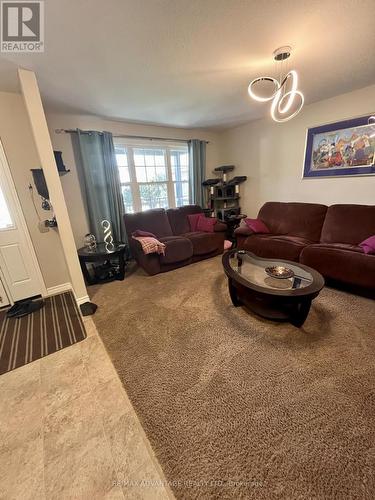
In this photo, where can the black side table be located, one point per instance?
(233, 222)
(107, 266)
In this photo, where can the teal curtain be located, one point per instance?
(100, 183)
(197, 165)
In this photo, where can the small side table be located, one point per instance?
(107, 266)
(233, 222)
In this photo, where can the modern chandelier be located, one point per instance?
(287, 100)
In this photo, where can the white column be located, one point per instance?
(34, 107)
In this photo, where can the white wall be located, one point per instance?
(39, 128)
(272, 156)
(70, 183)
(19, 146)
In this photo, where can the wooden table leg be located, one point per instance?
(233, 294)
(300, 313)
(122, 265)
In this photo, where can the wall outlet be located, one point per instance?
(42, 227)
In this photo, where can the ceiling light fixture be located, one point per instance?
(287, 101)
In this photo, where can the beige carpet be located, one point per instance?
(240, 407)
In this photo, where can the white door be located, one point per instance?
(4, 301)
(17, 258)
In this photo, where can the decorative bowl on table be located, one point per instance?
(279, 272)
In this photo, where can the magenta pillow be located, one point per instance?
(206, 224)
(139, 233)
(193, 221)
(257, 226)
(368, 245)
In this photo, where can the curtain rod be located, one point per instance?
(71, 131)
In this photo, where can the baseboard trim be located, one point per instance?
(55, 290)
(82, 300)
(67, 287)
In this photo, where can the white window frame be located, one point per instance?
(130, 145)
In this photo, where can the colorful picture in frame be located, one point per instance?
(341, 148)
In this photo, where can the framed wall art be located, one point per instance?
(340, 149)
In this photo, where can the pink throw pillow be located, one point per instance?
(206, 224)
(257, 226)
(368, 245)
(193, 221)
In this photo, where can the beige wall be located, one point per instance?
(272, 155)
(42, 140)
(17, 139)
(70, 183)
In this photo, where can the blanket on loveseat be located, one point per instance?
(150, 244)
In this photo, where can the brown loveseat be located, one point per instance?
(324, 238)
(172, 228)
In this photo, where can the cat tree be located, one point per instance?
(224, 195)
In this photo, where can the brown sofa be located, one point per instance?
(172, 228)
(324, 238)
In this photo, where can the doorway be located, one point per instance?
(20, 276)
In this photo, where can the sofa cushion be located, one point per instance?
(193, 221)
(243, 230)
(275, 247)
(220, 227)
(348, 224)
(341, 246)
(298, 219)
(139, 233)
(154, 221)
(177, 249)
(343, 263)
(206, 224)
(257, 226)
(178, 219)
(204, 243)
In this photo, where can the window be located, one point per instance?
(153, 176)
(180, 176)
(5, 217)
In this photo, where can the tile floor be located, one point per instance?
(68, 431)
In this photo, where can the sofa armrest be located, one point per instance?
(135, 246)
(149, 262)
(243, 231)
(220, 227)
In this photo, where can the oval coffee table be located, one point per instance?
(287, 299)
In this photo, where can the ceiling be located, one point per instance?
(187, 63)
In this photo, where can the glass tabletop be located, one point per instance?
(253, 270)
